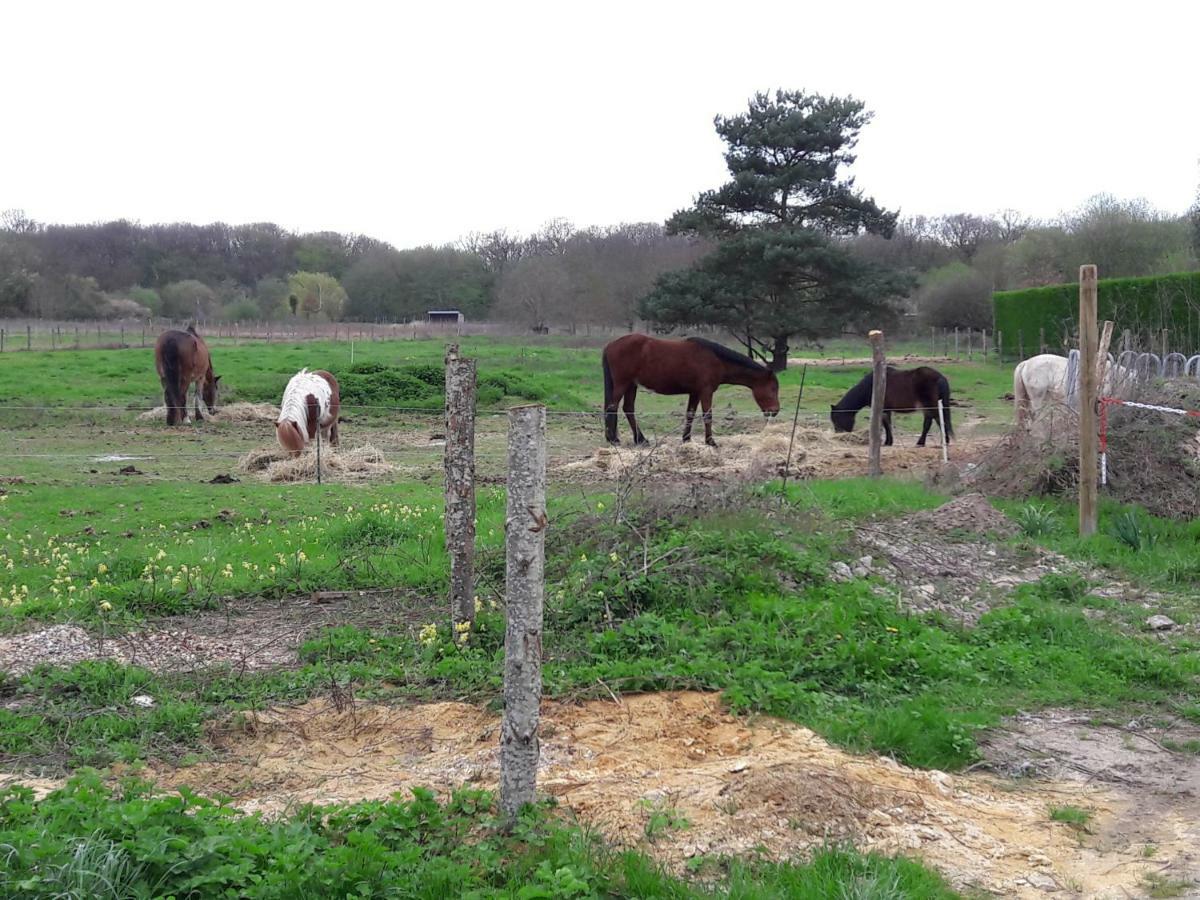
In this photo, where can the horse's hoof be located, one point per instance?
(711, 443)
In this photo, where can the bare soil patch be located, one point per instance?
(941, 560)
(246, 636)
(741, 785)
(1159, 786)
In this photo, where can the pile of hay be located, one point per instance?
(356, 464)
(237, 413)
(1153, 458)
(762, 454)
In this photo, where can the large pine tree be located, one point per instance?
(779, 268)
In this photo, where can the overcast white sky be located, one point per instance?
(418, 122)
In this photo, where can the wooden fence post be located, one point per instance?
(1087, 401)
(878, 386)
(1, 340)
(1106, 333)
(985, 346)
(460, 485)
(28, 337)
(1042, 340)
(957, 355)
(525, 534)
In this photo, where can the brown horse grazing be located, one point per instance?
(694, 366)
(904, 392)
(182, 359)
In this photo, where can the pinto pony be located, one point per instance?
(904, 392)
(310, 402)
(694, 366)
(182, 359)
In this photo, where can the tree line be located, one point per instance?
(787, 248)
(560, 275)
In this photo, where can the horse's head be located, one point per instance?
(766, 395)
(209, 390)
(842, 419)
(290, 436)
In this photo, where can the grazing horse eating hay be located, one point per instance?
(904, 392)
(310, 402)
(694, 366)
(182, 358)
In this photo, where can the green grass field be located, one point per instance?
(745, 606)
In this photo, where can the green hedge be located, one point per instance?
(1144, 306)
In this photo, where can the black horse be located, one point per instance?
(905, 392)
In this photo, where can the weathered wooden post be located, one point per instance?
(525, 533)
(28, 337)
(985, 346)
(1087, 401)
(1020, 345)
(878, 387)
(1106, 333)
(1, 340)
(957, 354)
(1042, 340)
(460, 485)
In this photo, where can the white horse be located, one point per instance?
(1044, 381)
(310, 402)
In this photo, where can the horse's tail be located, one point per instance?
(172, 368)
(944, 396)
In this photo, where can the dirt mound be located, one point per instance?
(234, 412)
(944, 560)
(355, 464)
(1153, 457)
(970, 513)
(730, 786)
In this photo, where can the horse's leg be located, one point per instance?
(611, 402)
(925, 430)
(693, 399)
(628, 405)
(887, 429)
(333, 433)
(706, 406)
(199, 418)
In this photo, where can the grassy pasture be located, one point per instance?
(747, 606)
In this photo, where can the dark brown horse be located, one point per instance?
(182, 359)
(694, 366)
(904, 392)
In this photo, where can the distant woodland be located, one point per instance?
(785, 248)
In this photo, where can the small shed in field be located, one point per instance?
(445, 316)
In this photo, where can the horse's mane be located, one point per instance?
(730, 356)
(860, 393)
